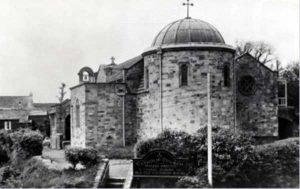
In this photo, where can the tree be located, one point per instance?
(291, 74)
(61, 97)
(261, 51)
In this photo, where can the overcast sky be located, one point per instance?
(46, 42)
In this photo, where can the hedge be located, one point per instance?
(85, 156)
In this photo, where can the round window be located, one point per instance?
(247, 85)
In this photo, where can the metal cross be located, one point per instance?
(188, 7)
(112, 59)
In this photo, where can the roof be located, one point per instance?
(125, 65)
(252, 57)
(129, 63)
(15, 102)
(21, 115)
(188, 30)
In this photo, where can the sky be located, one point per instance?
(46, 42)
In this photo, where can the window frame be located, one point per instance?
(181, 83)
(226, 75)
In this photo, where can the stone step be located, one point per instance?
(115, 183)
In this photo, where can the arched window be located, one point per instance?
(85, 76)
(183, 75)
(77, 114)
(146, 78)
(226, 74)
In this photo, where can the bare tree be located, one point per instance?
(261, 51)
(61, 97)
(291, 74)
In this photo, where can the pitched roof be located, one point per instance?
(15, 102)
(129, 63)
(21, 115)
(263, 65)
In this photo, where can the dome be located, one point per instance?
(188, 30)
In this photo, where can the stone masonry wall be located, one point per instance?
(104, 109)
(134, 76)
(185, 107)
(78, 133)
(257, 113)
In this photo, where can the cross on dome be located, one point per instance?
(188, 4)
(113, 60)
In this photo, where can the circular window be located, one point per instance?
(247, 85)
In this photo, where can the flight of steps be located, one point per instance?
(115, 183)
(141, 86)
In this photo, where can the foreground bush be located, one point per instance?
(85, 156)
(278, 164)
(32, 143)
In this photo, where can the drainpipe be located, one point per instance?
(159, 53)
(209, 133)
(234, 92)
(123, 109)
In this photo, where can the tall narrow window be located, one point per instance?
(77, 114)
(7, 125)
(226, 74)
(183, 75)
(147, 78)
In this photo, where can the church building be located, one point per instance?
(168, 86)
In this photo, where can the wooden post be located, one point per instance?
(209, 133)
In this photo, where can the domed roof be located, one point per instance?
(188, 30)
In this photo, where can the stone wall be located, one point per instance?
(257, 112)
(185, 107)
(78, 134)
(134, 76)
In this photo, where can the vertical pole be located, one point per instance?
(159, 53)
(123, 118)
(209, 133)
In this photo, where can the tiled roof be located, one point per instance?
(15, 102)
(129, 63)
(21, 115)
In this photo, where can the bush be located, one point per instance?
(72, 155)
(86, 156)
(277, 165)
(180, 143)
(5, 146)
(32, 143)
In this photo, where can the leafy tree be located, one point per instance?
(261, 51)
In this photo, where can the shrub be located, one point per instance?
(32, 143)
(72, 155)
(5, 146)
(180, 143)
(86, 156)
(191, 182)
(277, 165)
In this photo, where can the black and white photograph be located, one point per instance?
(149, 94)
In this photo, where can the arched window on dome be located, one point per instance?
(77, 113)
(226, 75)
(183, 75)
